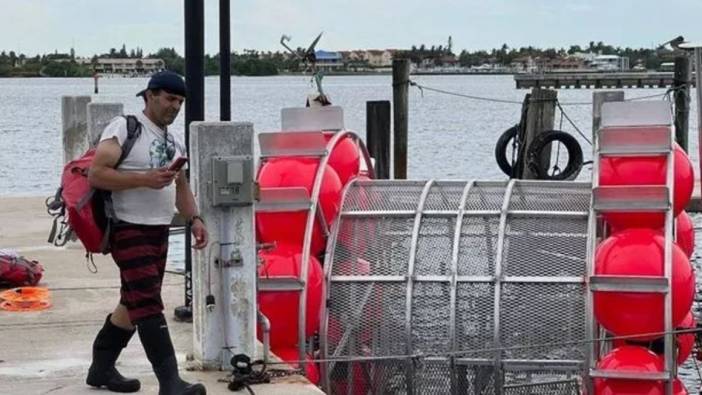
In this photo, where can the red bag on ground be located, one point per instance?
(17, 271)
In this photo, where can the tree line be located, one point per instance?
(257, 63)
(649, 58)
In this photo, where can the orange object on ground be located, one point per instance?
(25, 299)
(25, 294)
(25, 306)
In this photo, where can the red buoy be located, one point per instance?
(289, 227)
(647, 170)
(685, 233)
(281, 308)
(290, 354)
(639, 252)
(630, 359)
(686, 341)
(345, 158)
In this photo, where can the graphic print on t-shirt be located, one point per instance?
(160, 153)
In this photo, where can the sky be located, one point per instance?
(94, 26)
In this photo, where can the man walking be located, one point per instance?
(144, 197)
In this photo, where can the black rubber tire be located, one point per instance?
(575, 155)
(504, 163)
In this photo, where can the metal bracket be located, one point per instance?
(235, 260)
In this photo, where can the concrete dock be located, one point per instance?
(48, 352)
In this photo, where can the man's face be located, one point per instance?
(164, 106)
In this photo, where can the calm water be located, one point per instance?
(449, 137)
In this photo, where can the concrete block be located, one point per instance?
(74, 129)
(232, 321)
(99, 115)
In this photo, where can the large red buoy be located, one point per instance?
(281, 308)
(345, 158)
(639, 252)
(647, 170)
(685, 233)
(290, 354)
(289, 227)
(686, 341)
(630, 359)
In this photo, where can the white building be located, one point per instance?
(125, 66)
(604, 62)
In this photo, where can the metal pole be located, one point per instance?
(225, 80)
(194, 111)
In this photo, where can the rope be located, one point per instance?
(573, 123)
(488, 99)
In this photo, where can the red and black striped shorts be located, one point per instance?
(140, 253)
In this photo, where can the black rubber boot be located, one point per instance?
(107, 346)
(153, 332)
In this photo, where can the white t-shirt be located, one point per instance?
(146, 206)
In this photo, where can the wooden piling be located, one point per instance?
(400, 88)
(539, 118)
(681, 84)
(378, 136)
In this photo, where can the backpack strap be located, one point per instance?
(133, 132)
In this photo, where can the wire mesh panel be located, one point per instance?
(432, 287)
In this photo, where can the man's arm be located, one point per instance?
(185, 203)
(103, 175)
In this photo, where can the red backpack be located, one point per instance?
(80, 210)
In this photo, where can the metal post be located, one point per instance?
(378, 136)
(194, 111)
(681, 84)
(225, 80)
(400, 88)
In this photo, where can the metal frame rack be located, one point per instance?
(293, 144)
(632, 129)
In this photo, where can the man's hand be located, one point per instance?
(159, 178)
(200, 234)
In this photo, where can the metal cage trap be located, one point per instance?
(457, 287)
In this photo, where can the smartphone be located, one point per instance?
(178, 164)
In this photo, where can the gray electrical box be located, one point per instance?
(232, 181)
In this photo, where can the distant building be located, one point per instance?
(328, 61)
(603, 62)
(379, 57)
(667, 66)
(524, 64)
(610, 63)
(124, 66)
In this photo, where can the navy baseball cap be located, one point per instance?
(168, 81)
